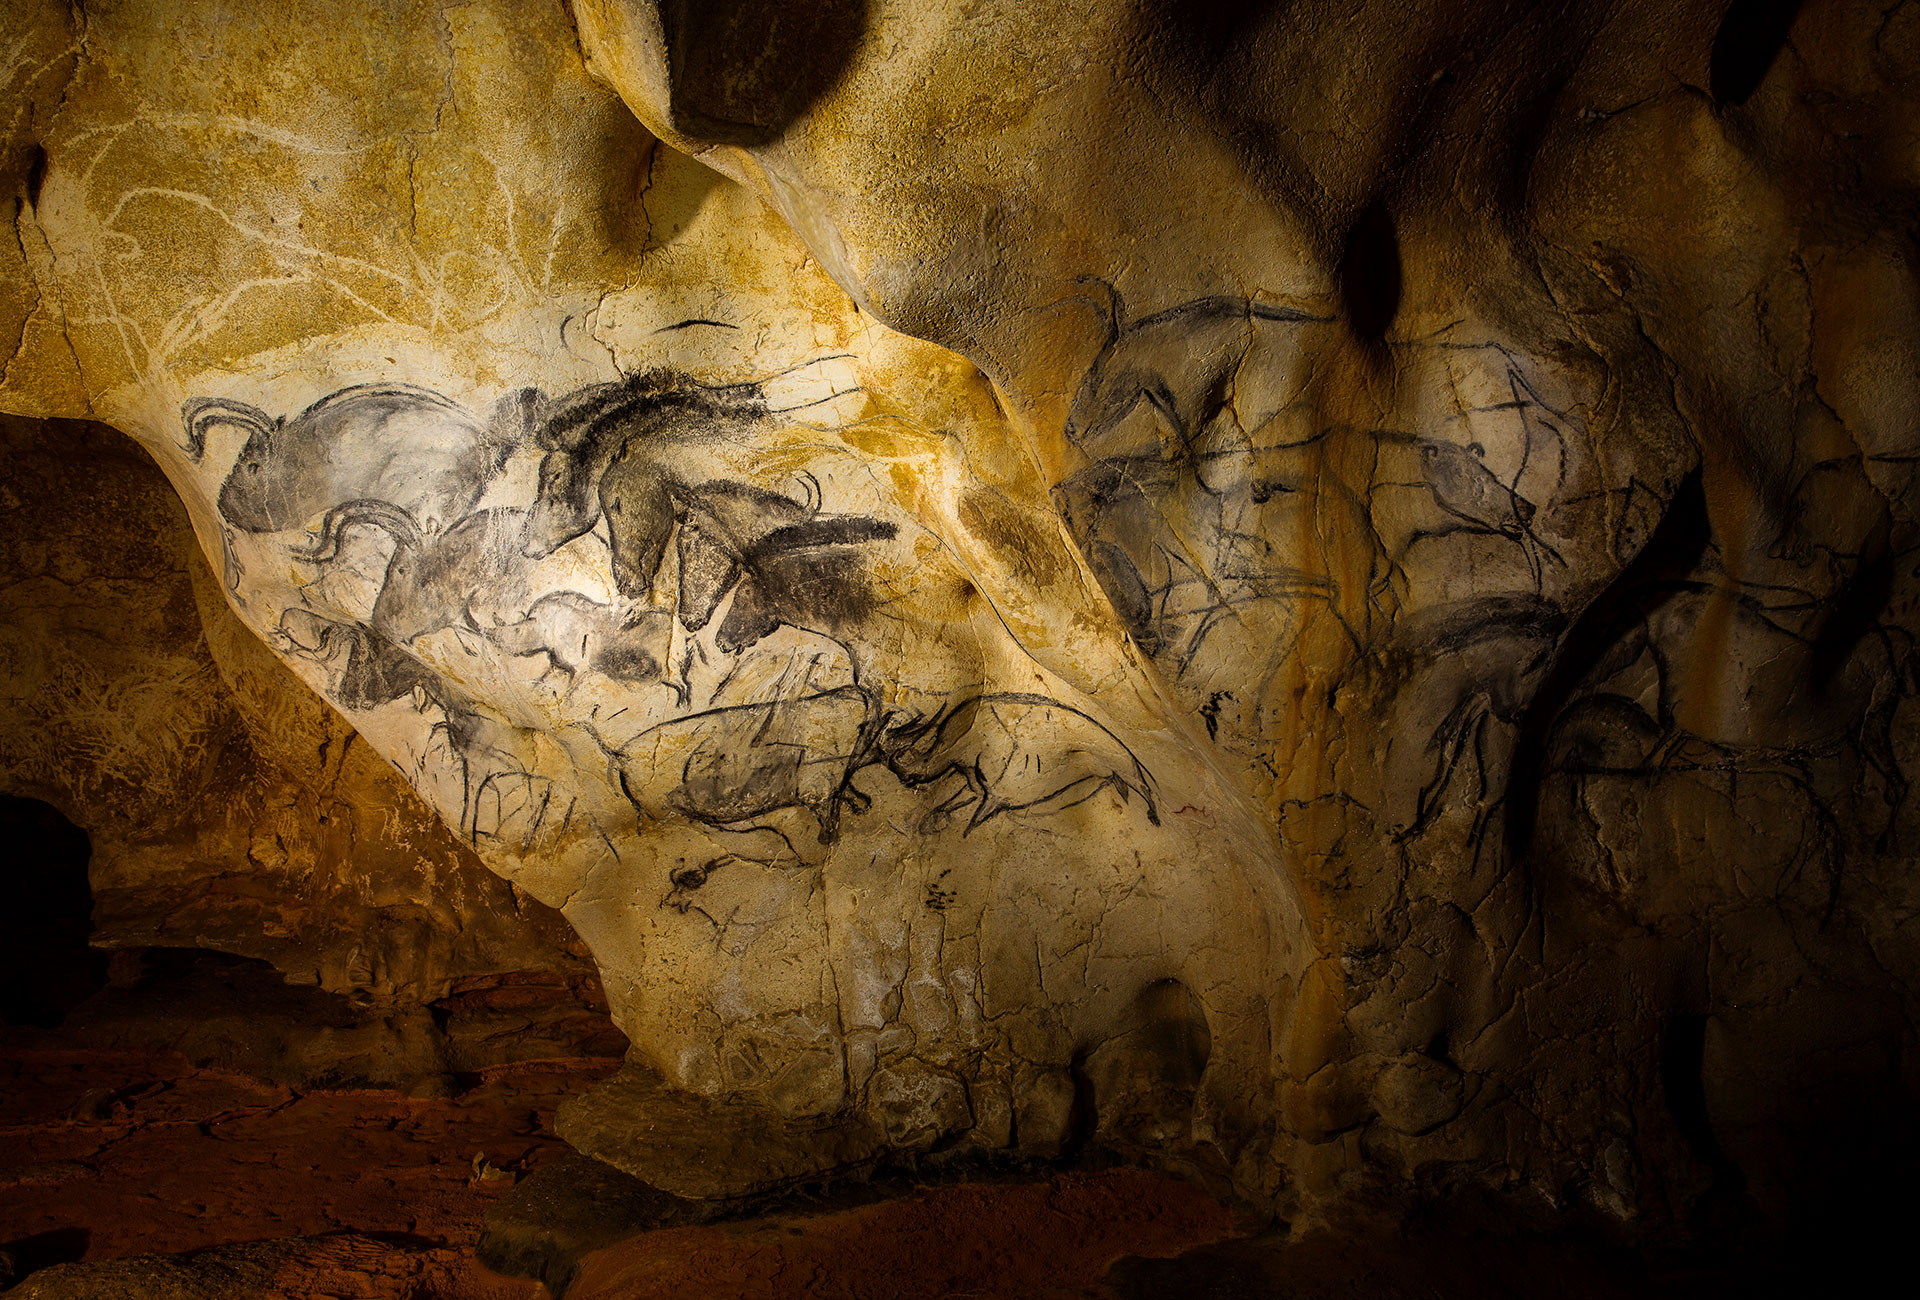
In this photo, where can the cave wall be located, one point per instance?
(1322, 598)
(226, 805)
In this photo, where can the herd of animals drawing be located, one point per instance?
(405, 466)
(1200, 458)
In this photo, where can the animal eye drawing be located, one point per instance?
(723, 639)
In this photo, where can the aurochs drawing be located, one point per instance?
(1319, 595)
(393, 442)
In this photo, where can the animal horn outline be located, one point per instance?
(381, 514)
(810, 487)
(202, 413)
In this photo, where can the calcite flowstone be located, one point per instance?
(1322, 594)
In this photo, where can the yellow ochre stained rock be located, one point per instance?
(1284, 593)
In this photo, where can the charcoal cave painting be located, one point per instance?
(1208, 456)
(663, 626)
(1232, 521)
(386, 488)
(1589, 684)
(1362, 642)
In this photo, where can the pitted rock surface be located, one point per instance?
(1322, 595)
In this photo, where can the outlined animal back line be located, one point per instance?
(200, 414)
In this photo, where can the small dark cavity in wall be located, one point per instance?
(46, 967)
(36, 175)
(1370, 273)
(1751, 36)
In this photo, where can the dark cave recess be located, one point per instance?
(46, 967)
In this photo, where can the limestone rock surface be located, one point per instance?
(1321, 594)
(226, 805)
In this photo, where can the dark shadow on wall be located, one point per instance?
(1673, 551)
(741, 73)
(43, 1250)
(1371, 279)
(1752, 34)
(46, 967)
(1682, 1084)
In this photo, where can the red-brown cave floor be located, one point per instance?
(114, 1154)
(1049, 1238)
(117, 1154)
(131, 1169)
(109, 1155)
(363, 1193)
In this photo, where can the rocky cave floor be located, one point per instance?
(195, 1127)
(183, 1124)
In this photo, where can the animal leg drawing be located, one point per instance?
(727, 767)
